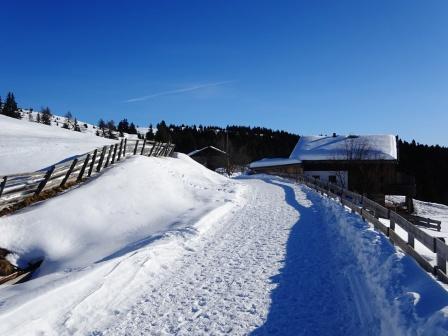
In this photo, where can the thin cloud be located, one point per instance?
(182, 90)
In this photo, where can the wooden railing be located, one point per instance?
(18, 187)
(373, 212)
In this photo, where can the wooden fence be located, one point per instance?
(18, 187)
(373, 212)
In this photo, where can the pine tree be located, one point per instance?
(1, 106)
(102, 126)
(111, 128)
(46, 116)
(76, 127)
(163, 133)
(68, 123)
(10, 107)
(150, 133)
(132, 129)
(38, 118)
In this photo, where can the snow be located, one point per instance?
(273, 162)
(428, 210)
(376, 147)
(200, 150)
(165, 246)
(26, 146)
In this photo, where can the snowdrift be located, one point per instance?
(132, 201)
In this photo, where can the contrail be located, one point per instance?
(182, 90)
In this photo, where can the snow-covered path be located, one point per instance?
(225, 286)
(279, 260)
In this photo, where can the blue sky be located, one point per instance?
(308, 67)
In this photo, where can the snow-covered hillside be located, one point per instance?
(27, 146)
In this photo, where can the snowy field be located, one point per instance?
(178, 249)
(27, 146)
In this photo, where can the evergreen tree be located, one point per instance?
(38, 118)
(1, 106)
(68, 123)
(150, 133)
(163, 133)
(123, 126)
(46, 116)
(111, 128)
(102, 127)
(10, 107)
(132, 129)
(76, 127)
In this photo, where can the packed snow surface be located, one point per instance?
(373, 147)
(27, 146)
(162, 246)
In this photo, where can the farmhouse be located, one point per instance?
(363, 163)
(211, 157)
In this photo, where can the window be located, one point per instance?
(332, 178)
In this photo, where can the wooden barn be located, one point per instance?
(366, 164)
(211, 157)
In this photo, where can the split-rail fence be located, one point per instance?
(373, 212)
(18, 187)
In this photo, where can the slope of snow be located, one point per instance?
(27, 146)
(180, 250)
(375, 147)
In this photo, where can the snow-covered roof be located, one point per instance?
(345, 147)
(200, 150)
(273, 162)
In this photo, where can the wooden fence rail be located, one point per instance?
(17, 187)
(374, 212)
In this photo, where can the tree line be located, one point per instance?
(429, 166)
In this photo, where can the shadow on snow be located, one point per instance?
(309, 298)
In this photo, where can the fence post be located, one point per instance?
(115, 153)
(411, 239)
(72, 166)
(392, 224)
(120, 149)
(441, 262)
(135, 148)
(124, 149)
(143, 147)
(2, 185)
(83, 168)
(165, 149)
(108, 156)
(171, 150)
(44, 181)
(93, 162)
(152, 148)
(103, 153)
(157, 150)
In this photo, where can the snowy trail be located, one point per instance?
(277, 260)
